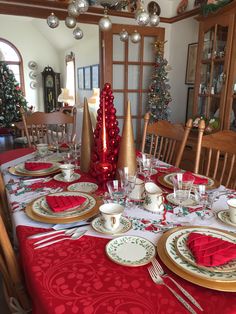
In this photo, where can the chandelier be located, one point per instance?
(77, 7)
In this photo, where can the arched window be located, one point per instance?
(11, 55)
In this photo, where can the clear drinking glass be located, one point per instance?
(116, 190)
(182, 188)
(128, 181)
(145, 166)
(205, 199)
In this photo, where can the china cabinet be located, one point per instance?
(51, 89)
(215, 80)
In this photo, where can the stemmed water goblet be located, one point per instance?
(205, 199)
(182, 188)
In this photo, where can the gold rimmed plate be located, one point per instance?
(98, 225)
(19, 170)
(47, 218)
(217, 281)
(223, 216)
(166, 180)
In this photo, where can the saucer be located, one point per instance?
(188, 203)
(125, 225)
(59, 177)
(223, 215)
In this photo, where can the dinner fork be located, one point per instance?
(157, 267)
(159, 281)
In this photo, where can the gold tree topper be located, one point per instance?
(159, 46)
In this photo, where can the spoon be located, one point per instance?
(66, 233)
(74, 236)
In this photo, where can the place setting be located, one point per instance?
(228, 217)
(67, 174)
(35, 168)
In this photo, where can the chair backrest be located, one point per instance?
(164, 140)
(215, 157)
(14, 287)
(48, 127)
(4, 212)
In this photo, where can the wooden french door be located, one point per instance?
(128, 68)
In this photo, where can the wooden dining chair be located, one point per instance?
(215, 156)
(41, 127)
(164, 140)
(14, 289)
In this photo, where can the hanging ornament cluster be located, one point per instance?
(106, 138)
(151, 17)
(135, 37)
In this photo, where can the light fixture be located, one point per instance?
(65, 98)
(77, 7)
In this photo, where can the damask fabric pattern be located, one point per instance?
(77, 277)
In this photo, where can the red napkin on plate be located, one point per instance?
(34, 166)
(197, 179)
(210, 251)
(61, 203)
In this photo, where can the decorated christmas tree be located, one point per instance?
(11, 97)
(106, 138)
(159, 95)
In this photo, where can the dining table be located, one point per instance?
(79, 276)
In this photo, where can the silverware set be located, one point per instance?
(157, 274)
(63, 234)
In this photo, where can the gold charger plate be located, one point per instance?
(54, 220)
(15, 172)
(177, 268)
(166, 182)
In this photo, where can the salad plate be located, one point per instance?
(187, 203)
(130, 251)
(223, 215)
(87, 187)
(60, 177)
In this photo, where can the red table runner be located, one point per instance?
(14, 154)
(77, 277)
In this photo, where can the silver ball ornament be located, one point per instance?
(70, 21)
(72, 10)
(52, 21)
(78, 33)
(124, 36)
(105, 23)
(135, 37)
(143, 18)
(81, 6)
(154, 19)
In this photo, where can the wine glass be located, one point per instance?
(182, 188)
(145, 166)
(128, 180)
(205, 199)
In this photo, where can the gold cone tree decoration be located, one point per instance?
(127, 152)
(87, 140)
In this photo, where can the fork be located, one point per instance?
(157, 267)
(159, 281)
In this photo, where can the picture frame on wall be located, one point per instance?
(191, 64)
(87, 78)
(189, 107)
(95, 75)
(80, 77)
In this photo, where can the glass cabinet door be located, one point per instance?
(212, 72)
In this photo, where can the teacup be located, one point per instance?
(232, 209)
(153, 199)
(67, 171)
(111, 214)
(42, 149)
(138, 191)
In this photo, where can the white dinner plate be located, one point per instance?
(130, 251)
(20, 168)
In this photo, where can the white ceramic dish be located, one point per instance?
(59, 177)
(98, 225)
(87, 187)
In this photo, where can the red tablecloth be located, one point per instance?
(77, 277)
(14, 154)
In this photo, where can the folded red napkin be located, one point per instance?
(61, 203)
(197, 179)
(210, 251)
(34, 166)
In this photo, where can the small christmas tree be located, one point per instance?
(159, 95)
(11, 97)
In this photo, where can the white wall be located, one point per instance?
(33, 46)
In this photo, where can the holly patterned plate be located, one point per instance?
(130, 251)
(223, 215)
(98, 225)
(87, 187)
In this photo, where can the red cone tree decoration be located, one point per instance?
(106, 138)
